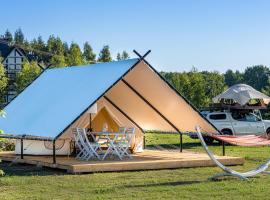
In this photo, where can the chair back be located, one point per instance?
(129, 134)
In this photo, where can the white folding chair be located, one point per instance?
(126, 142)
(82, 151)
(88, 149)
(113, 144)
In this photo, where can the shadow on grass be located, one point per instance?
(176, 183)
(189, 145)
(12, 169)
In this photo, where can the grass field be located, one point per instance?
(29, 182)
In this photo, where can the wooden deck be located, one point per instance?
(149, 159)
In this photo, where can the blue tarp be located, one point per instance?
(59, 96)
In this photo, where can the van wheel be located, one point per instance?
(226, 132)
(208, 140)
(268, 132)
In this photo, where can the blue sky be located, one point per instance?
(208, 35)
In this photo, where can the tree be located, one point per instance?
(19, 36)
(55, 45)
(105, 54)
(57, 49)
(232, 78)
(3, 81)
(88, 54)
(8, 36)
(57, 61)
(75, 55)
(118, 57)
(38, 44)
(257, 76)
(30, 70)
(124, 56)
(214, 84)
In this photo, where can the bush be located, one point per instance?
(7, 145)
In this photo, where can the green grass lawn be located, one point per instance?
(30, 182)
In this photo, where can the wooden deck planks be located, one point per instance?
(149, 159)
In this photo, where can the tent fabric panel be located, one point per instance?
(144, 80)
(137, 109)
(101, 118)
(119, 118)
(59, 96)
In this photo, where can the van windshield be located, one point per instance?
(249, 116)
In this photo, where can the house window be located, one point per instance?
(7, 60)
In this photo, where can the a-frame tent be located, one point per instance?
(58, 100)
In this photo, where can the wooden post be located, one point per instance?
(54, 154)
(223, 148)
(21, 148)
(181, 142)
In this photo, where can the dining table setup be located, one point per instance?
(103, 145)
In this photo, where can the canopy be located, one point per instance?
(56, 100)
(242, 94)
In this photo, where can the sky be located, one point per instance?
(182, 34)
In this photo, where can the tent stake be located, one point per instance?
(54, 155)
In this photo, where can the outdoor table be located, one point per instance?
(111, 137)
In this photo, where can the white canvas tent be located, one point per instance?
(132, 90)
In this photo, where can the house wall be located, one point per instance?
(13, 65)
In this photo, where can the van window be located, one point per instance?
(217, 116)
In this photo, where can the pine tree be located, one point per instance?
(57, 48)
(118, 57)
(88, 54)
(8, 36)
(19, 36)
(125, 55)
(55, 45)
(30, 70)
(3, 81)
(75, 55)
(122, 56)
(105, 55)
(57, 61)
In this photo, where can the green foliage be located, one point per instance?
(232, 78)
(30, 71)
(123, 56)
(75, 55)
(257, 76)
(19, 36)
(55, 45)
(105, 54)
(7, 36)
(198, 87)
(88, 54)
(3, 81)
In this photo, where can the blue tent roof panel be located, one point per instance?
(59, 96)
